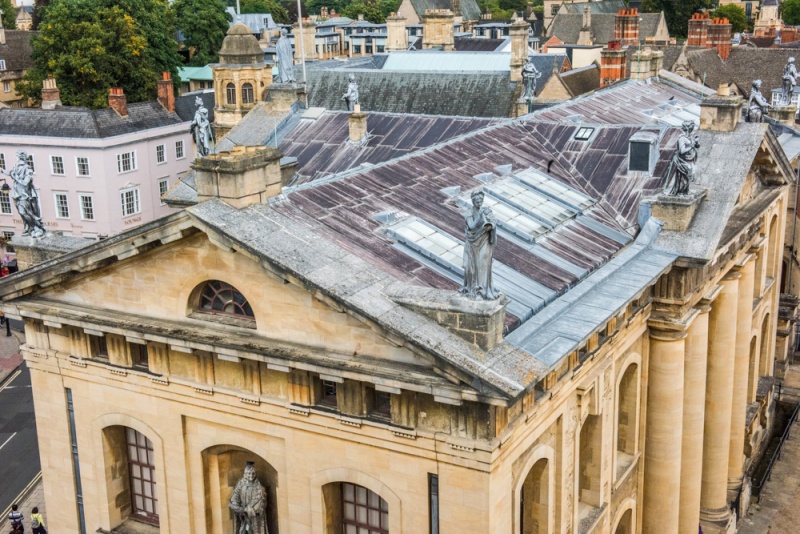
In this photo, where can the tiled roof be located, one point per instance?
(259, 127)
(472, 44)
(466, 94)
(744, 65)
(583, 80)
(195, 73)
(567, 27)
(17, 50)
(185, 105)
(439, 61)
(85, 123)
(469, 8)
(606, 6)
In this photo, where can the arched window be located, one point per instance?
(363, 511)
(220, 297)
(142, 475)
(230, 93)
(247, 93)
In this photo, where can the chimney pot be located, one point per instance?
(118, 101)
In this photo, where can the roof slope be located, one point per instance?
(438, 61)
(186, 104)
(583, 80)
(744, 65)
(85, 123)
(17, 51)
(465, 94)
(606, 6)
(469, 8)
(567, 27)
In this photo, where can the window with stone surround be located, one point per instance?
(220, 297)
(98, 347)
(247, 93)
(328, 393)
(142, 476)
(363, 511)
(627, 417)
(139, 356)
(230, 94)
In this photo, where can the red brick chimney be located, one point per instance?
(612, 63)
(626, 26)
(698, 29)
(166, 92)
(719, 37)
(118, 102)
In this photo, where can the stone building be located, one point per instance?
(622, 385)
(15, 58)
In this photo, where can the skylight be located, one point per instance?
(557, 190)
(584, 134)
(530, 202)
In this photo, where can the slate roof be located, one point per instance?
(17, 49)
(439, 61)
(469, 8)
(84, 123)
(259, 127)
(185, 105)
(567, 27)
(472, 44)
(195, 73)
(744, 65)
(469, 94)
(583, 80)
(322, 145)
(606, 6)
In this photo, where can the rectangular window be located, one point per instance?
(161, 154)
(30, 163)
(2, 64)
(57, 165)
(328, 393)
(433, 502)
(99, 347)
(130, 202)
(82, 165)
(5, 203)
(381, 404)
(62, 205)
(3, 161)
(138, 355)
(87, 207)
(163, 187)
(6, 87)
(179, 150)
(126, 162)
(8, 236)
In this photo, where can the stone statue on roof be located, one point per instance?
(530, 75)
(283, 51)
(201, 129)
(684, 160)
(789, 82)
(24, 195)
(480, 239)
(757, 106)
(351, 95)
(249, 503)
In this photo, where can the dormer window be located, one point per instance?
(221, 298)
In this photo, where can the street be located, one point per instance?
(19, 450)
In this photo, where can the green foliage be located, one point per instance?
(92, 45)
(677, 12)
(790, 12)
(39, 7)
(389, 6)
(495, 7)
(315, 6)
(278, 12)
(9, 14)
(734, 14)
(204, 24)
(369, 8)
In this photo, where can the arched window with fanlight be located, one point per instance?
(230, 94)
(220, 298)
(247, 93)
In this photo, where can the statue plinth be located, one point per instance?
(676, 211)
(281, 96)
(784, 114)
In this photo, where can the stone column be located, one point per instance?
(719, 394)
(662, 477)
(694, 408)
(741, 365)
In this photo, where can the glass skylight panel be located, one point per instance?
(530, 201)
(584, 134)
(511, 218)
(430, 241)
(557, 189)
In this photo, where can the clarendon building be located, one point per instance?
(310, 323)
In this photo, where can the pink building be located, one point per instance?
(98, 172)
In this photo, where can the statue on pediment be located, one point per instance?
(284, 54)
(249, 503)
(684, 160)
(201, 129)
(351, 95)
(790, 76)
(530, 76)
(25, 196)
(479, 242)
(757, 105)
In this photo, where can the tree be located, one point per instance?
(677, 12)
(92, 45)
(204, 24)
(368, 8)
(279, 14)
(39, 7)
(790, 12)
(734, 14)
(9, 14)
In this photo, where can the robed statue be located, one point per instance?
(757, 106)
(789, 82)
(351, 95)
(530, 75)
(249, 503)
(283, 51)
(25, 197)
(479, 242)
(201, 129)
(684, 160)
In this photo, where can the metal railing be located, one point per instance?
(758, 485)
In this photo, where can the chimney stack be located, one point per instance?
(698, 30)
(437, 29)
(519, 48)
(720, 112)
(166, 92)
(358, 125)
(246, 175)
(719, 37)
(118, 102)
(640, 64)
(396, 34)
(51, 96)
(613, 66)
(626, 26)
(585, 37)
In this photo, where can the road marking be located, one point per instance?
(20, 497)
(9, 439)
(10, 379)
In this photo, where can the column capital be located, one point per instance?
(742, 263)
(669, 329)
(709, 298)
(733, 274)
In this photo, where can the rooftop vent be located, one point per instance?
(643, 152)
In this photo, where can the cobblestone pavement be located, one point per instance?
(778, 511)
(35, 497)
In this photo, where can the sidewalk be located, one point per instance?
(35, 498)
(10, 358)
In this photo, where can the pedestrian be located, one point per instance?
(16, 519)
(37, 521)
